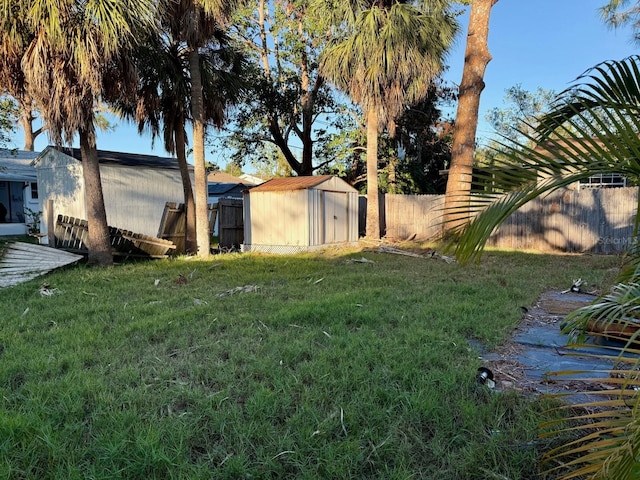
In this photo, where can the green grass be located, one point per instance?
(331, 369)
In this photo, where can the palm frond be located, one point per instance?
(616, 313)
(605, 433)
(593, 129)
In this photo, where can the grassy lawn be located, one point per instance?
(328, 368)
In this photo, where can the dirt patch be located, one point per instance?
(537, 347)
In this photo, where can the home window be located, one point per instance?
(604, 180)
(11, 202)
(34, 191)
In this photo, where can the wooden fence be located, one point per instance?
(227, 211)
(72, 233)
(585, 220)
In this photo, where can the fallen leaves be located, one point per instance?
(47, 291)
(244, 289)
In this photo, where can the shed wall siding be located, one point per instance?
(314, 217)
(135, 197)
(60, 180)
(335, 184)
(279, 218)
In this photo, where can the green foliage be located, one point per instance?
(329, 369)
(410, 162)
(389, 56)
(33, 220)
(622, 12)
(518, 118)
(233, 169)
(591, 128)
(288, 106)
(8, 118)
(426, 138)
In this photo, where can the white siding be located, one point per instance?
(134, 197)
(60, 180)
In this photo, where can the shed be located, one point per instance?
(289, 215)
(218, 190)
(135, 187)
(18, 191)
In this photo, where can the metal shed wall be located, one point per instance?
(277, 218)
(134, 197)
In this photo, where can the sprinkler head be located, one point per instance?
(484, 375)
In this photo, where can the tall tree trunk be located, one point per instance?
(373, 200)
(27, 127)
(98, 242)
(190, 240)
(200, 171)
(264, 52)
(477, 57)
(308, 100)
(26, 119)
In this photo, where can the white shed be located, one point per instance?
(135, 187)
(288, 215)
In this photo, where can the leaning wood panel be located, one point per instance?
(173, 225)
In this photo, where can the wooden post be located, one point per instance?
(51, 237)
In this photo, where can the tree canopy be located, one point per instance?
(385, 60)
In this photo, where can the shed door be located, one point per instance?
(336, 218)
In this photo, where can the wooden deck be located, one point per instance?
(20, 262)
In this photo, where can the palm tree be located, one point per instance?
(77, 55)
(12, 81)
(202, 19)
(618, 12)
(163, 100)
(476, 58)
(390, 54)
(593, 128)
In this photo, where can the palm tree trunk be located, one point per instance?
(190, 241)
(26, 119)
(98, 242)
(373, 207)
(200, 172)
(477, 57)
(27, 127)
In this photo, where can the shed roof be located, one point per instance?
(223, 177)
(15, 166)
(219, 188)
(124, 159)
(293, 183)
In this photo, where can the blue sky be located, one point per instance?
(540, 43)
